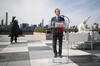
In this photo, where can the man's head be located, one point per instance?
(57, 11)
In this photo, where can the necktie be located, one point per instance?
(57, 18)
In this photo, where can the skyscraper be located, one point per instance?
(42, 24)
(6, 19)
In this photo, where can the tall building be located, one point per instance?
(2, 22)
(42, 24)
(6, 19)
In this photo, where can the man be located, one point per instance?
(83, 27)
(14, 30)
(57, 28)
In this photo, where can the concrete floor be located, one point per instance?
(30, 51)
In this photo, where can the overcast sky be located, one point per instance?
(33, 11)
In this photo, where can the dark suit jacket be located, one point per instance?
(53, 21)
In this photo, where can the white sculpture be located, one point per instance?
(83, 27)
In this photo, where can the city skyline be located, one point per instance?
(32, 11)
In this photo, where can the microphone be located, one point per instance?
(65, 17)
(62, 16)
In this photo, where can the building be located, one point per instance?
(46, 26)
(33, 26)
(42, 23)
(6, 23)
(2, 22)
(24, 26)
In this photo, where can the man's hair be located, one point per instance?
(57, 9)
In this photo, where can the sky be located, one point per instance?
(33, 11)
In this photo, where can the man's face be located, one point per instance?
(57, 12)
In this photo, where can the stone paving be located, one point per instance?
(30, 51)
